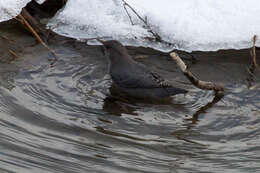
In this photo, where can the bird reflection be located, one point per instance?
(216, 99)
(180, 134)
(117, 103)
(118, 106)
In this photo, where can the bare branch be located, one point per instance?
(26, 23)
(14, 55)
(253, 53)
(157, 37)
(253, 66)
(130, 18)
(198, 83)
(126, 4)
(33, 22)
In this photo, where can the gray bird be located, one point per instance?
(135, 79)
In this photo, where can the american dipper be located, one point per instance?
(134, 79)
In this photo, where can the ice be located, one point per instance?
(99, 18)
(191, 25)
(11, 8)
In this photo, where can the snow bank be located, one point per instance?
(11, 8)
(204, 25)
(191, 24)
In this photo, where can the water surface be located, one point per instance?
(58, 118)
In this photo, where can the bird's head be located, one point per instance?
(115, 50)
(112, 45)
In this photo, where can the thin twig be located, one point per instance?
(157, 37)
(33, 22)
(4, 37)
(25, 22)
(198, 83)
(255, 86)
(251, 69)
(126, 4)
(130, 18)
(216, 99)
(21, 19)
(254, 63)
(14, 55)
(11, 41)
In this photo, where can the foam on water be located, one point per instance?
(191, 25)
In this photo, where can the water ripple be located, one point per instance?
(60, 119)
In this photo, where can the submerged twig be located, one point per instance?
(198, 83)
(6, 38)
(13, 54)
(195, 118)
(216, 99)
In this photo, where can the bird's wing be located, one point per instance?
(142, 77)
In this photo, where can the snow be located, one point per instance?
(96, 19)
(191, 25)
(205, 25)
(11, 8)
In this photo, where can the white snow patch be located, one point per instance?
(191, 24)
(11, 8)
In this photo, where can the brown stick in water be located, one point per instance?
(34, 23)
(196, 82)
(26, 23)
(14, 55)
(253, 53)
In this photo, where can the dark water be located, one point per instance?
(59, 119)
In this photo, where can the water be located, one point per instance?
(59, 119)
